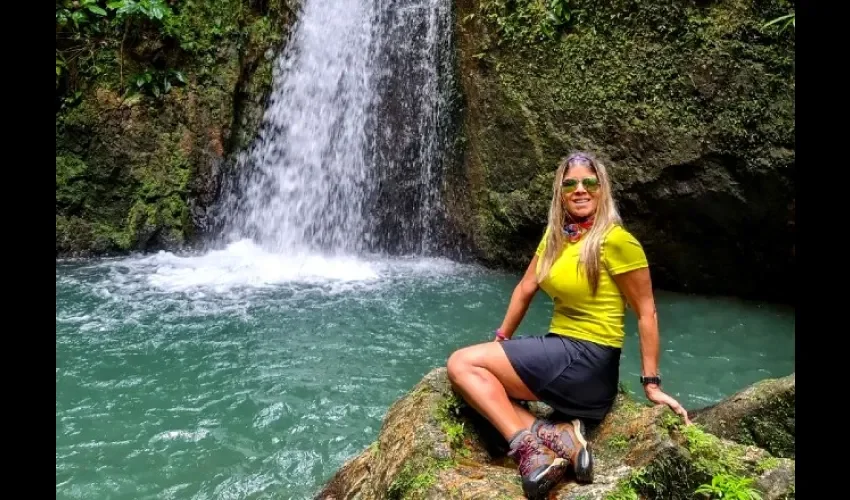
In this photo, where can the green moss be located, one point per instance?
(87, 219)
(417, 475)
(76, 235)
(447, 414)
(693, 458)
(131, 161)
(70, 183)
(767, 464)
(670, 421)
(618, 442)
(131, 189)
(676, 472)
(671, 475)
(628, 406)
(627, 487)
(710, 455)
(648, 85)
(771, 428)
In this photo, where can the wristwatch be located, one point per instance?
(650, 380)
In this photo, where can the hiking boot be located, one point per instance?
(568, 442)
(539, 468)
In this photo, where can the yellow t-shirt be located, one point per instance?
(579, 314)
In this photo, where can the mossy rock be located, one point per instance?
(763, 414)
(432, 445)
(690, 104)
(138, 167)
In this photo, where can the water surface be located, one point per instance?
(240, 374)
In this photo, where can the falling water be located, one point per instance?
(350, 152)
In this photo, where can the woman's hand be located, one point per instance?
(657, 396)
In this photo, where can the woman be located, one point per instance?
(591, 267)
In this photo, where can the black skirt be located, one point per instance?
(575, 377)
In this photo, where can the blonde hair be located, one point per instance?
(605, 217)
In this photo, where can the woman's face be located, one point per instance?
(580, 191)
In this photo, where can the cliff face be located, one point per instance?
(691, 104)
(151, 99)
(432, 445)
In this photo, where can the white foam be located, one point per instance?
(242, 264)
(175, 290)
(181, 435)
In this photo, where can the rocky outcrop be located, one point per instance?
(150, 105)
(432, 445)
(762, 415)
(691, 104)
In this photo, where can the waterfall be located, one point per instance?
(349, 155)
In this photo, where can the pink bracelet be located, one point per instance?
(500, 335)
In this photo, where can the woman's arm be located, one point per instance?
(637, 287)
(520, 299)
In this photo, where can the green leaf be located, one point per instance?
(97, 10)
(79, 17)
(781, 18)
(156, 12)
(128, 8)
(115, 4)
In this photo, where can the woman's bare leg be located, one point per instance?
(487, 381)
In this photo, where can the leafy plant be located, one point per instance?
(148, 9)
(559, 12)
(77, 12)
(728, 486)
(86, 29)
(790, 20)
(157, 83)
(528, 20)
(60, 67)
(447, 413)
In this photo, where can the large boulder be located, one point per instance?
(691, 105)
(432, 445)
(762, 414)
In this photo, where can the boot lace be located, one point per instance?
(555, 440)
(528, 454)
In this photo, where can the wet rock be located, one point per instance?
(700, 145)
(762, 414)
(432, 445)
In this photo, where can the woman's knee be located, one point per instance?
(463, 360)
(458, 363)
(467, 358)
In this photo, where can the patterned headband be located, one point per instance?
(579, 156)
